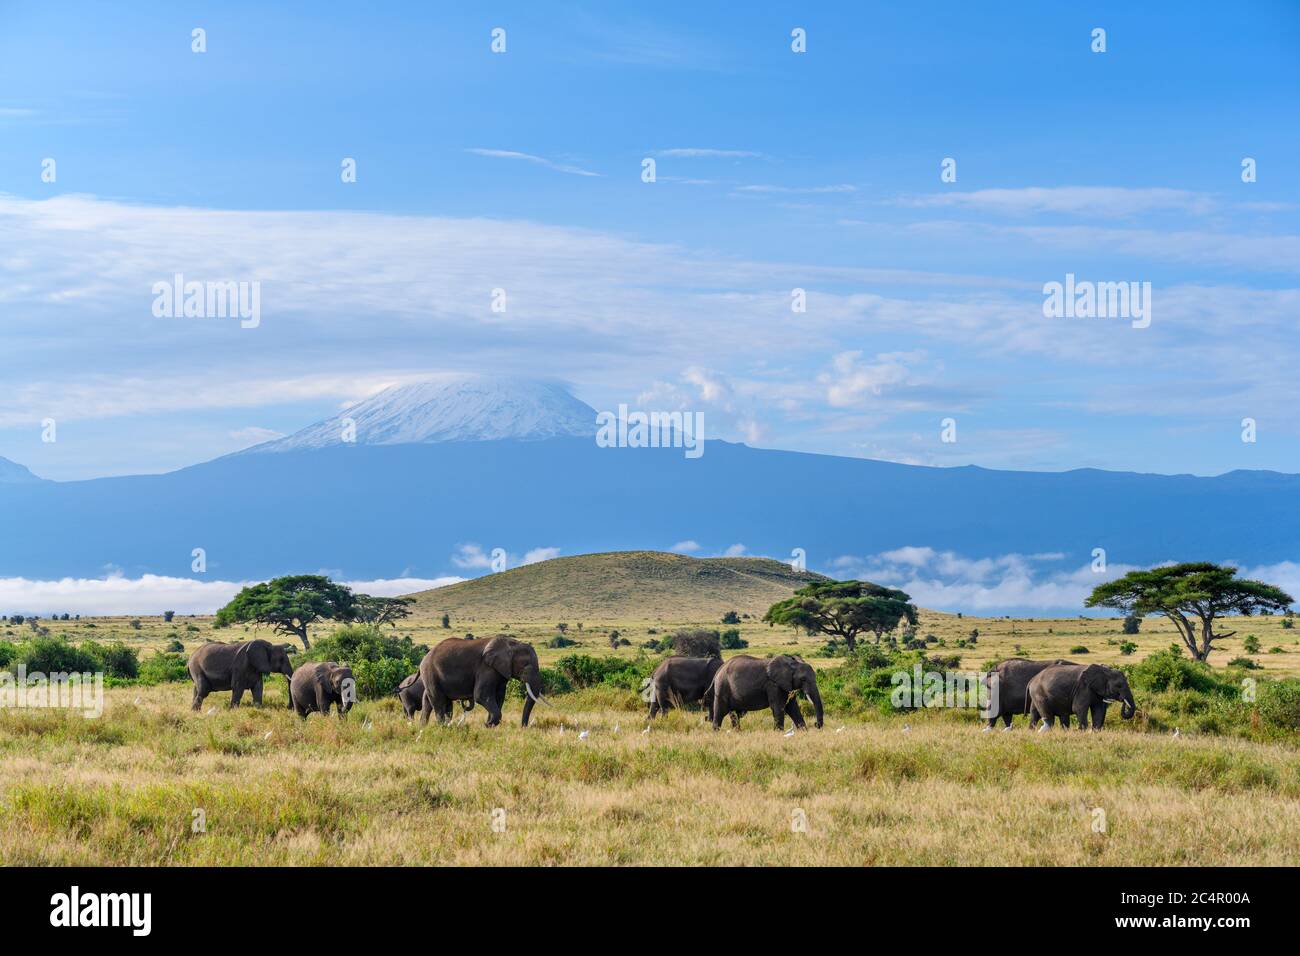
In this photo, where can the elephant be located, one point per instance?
(1060, 691)
(237, 668)
(1007, 697)
(411, 693)
(478, 671)
(747, 683)
(682, 680)
(315, 686)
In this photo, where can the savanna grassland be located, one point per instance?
(921, 788)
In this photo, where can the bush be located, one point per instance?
(1127, 647)
(174, 645)
(582, 671)
(1250, 644)
(1132, 624)
(167, 616)
(53, 655)
(732, 641)
(115, 660)
(697, 643)
(162, 667)
(1287, 623)
(1243, 662)
(1170, 670)
(1279, 704)
(559, 640)
(1078, 649)
(731, 617)
(379, 661)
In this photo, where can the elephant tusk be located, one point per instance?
(537, 697)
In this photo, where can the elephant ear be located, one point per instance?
(498, 654)
(255, 655)
(1094, 677)
(780, 671)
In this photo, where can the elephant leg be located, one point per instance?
(200, 692)
(778, 707)
(236, 693)
(792, 708)
(440, 703)
(486, 694)
(1098, 715)
(717, 711)
(1006, 720)
(322, 700)
(257, 692)
(735, 719)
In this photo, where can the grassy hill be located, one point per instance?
(620, 585)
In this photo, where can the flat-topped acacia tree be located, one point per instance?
(1182, 592)
(843, 609)
(289, 605)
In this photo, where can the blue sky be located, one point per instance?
(775, 170)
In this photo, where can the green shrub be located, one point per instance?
(1250, 644)
(1078, 649)
(379, 661)
(1243, 662)
(1170, 670)
(583, 671)
(116, 660)
(1279, 704)
(1127, 647)
(559, 640)
(53, 655)
(162, 667)
(730, 640)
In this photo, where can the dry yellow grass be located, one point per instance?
(376, 790)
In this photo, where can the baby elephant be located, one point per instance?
(410, 692)
(314, 687)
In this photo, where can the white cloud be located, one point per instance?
(734, 551)
(540, 554)
(471, 557)
(1104, 202)
(768, 188)
(528, 157)
(685, 547)
(153, 594)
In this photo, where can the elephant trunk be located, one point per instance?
(532, 693)
(1127, 707)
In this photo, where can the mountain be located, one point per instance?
(12, 473)
(459, 408)
(640, 585)
(360, 512)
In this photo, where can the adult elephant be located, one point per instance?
(747, 683)
(316, 687)
(236, 668)
(682, 680)
(478, 671)
(1060, 691)
(1007, 684)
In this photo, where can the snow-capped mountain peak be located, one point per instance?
(460, 408)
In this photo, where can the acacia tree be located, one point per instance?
(381, 610)
(1181, 592)
(289, 605)
(843, 609)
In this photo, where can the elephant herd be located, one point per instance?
(478, 671)
(1052, 690)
